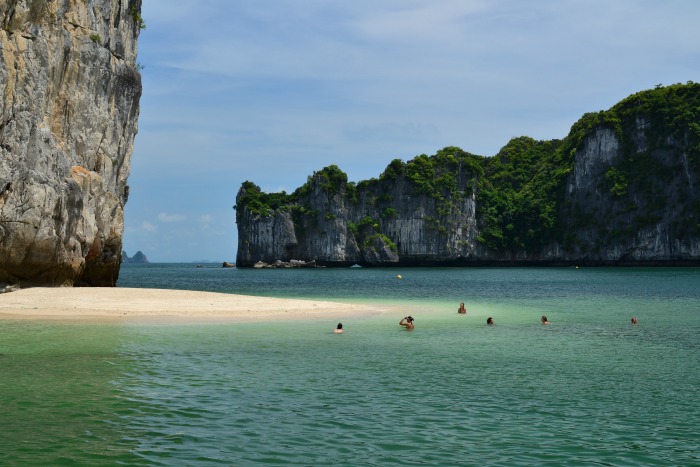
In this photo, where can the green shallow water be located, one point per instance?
(589, 389)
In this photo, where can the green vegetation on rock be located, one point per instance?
(436, 176)
(260, 203)
(518, 195)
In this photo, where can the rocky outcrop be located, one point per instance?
(650, 214)
(381, 222)
(138, 258)
(622, 188)
(69, 101)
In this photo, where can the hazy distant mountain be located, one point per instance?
(138, 258)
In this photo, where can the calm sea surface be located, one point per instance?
(588, 389)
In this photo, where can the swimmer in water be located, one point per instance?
(338, 329)
(544, 320)
(407, 322)
(462, 310)
(634, 320)
(489, 321)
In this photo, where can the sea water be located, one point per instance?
(588, 389)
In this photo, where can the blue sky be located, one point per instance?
(272, 90)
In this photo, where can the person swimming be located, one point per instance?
(634, 320)
(489, 321)
(462, 309)
(544, 319)
(338, 329)
(407, 322)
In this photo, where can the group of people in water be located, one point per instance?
(407, 321)
(462, 310)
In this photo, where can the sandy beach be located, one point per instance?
(161, 305)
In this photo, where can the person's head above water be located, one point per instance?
(407, 322)
(340, 326)
(489, 320)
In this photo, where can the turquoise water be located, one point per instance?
(589, 389)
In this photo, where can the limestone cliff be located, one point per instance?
(69, 102)
(621, 188)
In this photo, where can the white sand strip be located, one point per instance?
(160, 305)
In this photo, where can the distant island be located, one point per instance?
(138, 258)
(622, 188)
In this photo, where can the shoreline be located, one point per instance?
(164, 306)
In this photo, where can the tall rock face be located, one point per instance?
(380, 222)
(633, 194)
(69, 102)
(621, 188)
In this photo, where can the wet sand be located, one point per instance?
(163, 306)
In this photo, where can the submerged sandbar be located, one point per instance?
(164, 305)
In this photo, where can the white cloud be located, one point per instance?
(419, 21)
(148, 227)
(205, 220)
(165, 217)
